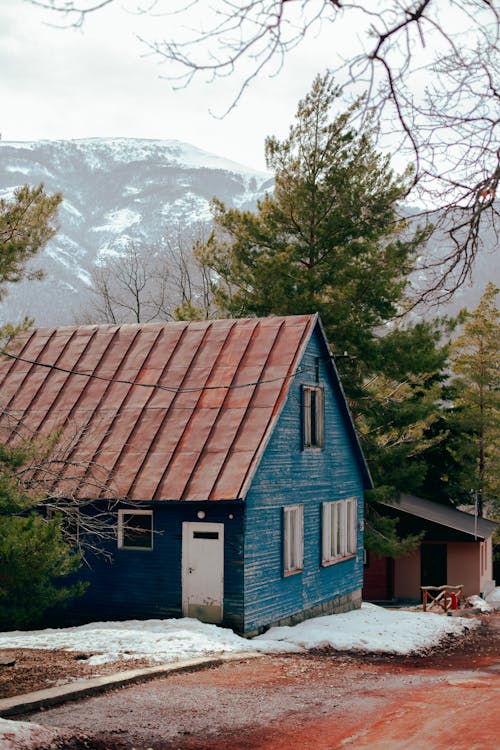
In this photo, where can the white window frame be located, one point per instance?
(293, 539)
(339, 530)
(122, 527)
(313, 426)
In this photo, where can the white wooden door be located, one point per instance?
(203, 571)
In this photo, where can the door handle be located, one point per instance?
(190, 570)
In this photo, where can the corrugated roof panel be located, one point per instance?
(11, 386)
(204, 475)
(175, 479)
(147, 426)
(171, 430)
(200, 438)
(163, 396)
(225, 428)
(267, 392)
(242, 391)
(118, 432)
(230, 482)
(197, 430)
(116, 353)
(27, 389)
(255, 423)
(123, 469)
(56, 343)
(146, 481)
(99, 342)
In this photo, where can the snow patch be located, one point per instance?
(493, 598)
(119, 220)
(370, 628)
(67, 206)
(23, 734)
(8, 194)
(18, 169)
(192, 207)
(31, 145)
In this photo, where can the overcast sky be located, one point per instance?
(98, 81)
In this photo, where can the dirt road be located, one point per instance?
(313, 702)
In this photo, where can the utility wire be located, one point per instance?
(93, 375)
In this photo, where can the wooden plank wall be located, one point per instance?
(147, 583)
(288, 475)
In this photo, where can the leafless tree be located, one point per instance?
(192, 277)
(131, 286)
(153, 283)
(429, 69)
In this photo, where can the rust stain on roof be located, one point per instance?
(166, 411)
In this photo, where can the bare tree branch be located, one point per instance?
(153, 283)
(429, 69)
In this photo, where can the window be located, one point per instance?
(339, 529)
(312, 418)
(293, 539)
(135, 529)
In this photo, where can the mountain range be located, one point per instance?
(117, 191)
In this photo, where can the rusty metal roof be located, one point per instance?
(198, 431)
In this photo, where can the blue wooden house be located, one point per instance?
(229, 467)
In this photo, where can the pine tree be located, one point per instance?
(33, 554)
(329, 240)
(27, 223)
(476, 384)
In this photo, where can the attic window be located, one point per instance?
(135, 529)
(312, 416)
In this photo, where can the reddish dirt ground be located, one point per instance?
(321, 701)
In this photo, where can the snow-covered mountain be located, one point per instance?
(118, 190)
(115, 190)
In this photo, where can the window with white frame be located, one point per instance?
(293, 538)
(339, 529)
(135, 529)
(312, 416)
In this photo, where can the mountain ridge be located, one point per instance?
(115, 191)
(121, 190)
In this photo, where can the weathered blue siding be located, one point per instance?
(289, 474)
(145, 584)
(148, 583)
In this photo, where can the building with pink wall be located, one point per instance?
(456, 549)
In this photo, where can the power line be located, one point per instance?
(170, 389)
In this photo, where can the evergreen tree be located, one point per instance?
(33, 553)
(329, 240)
(476, 385)
(27, 223)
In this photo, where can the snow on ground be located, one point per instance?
(493, 598)
(15, 735)
(370, 629)
(481, 604)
